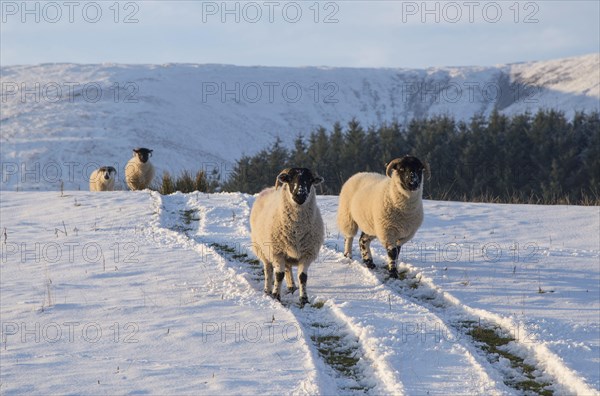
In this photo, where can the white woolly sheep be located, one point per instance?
(103, 179)
(387, 208)
(287, 229)
(139, 172)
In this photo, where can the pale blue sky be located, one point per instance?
(360, 33)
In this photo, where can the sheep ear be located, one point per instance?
(282, 178)
(393, 164)
(317, 180)
(427, 170)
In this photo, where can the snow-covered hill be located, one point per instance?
(60, 121)
(137, 293)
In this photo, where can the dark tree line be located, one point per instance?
(543, 158)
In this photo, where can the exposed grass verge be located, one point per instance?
(491, 341)
(187, 216)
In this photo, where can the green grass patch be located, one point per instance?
(490, 340)
(223, 248)
(339, 351)
(237, 256)
(233, 253)
(337, 355)
(189, 215)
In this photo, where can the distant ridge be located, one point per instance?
(60, 120)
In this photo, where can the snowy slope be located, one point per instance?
(133, 292)
(79, 117)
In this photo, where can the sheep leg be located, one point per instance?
(393, 252)
(302, 278)
(289, 279)
(365, 249)
(348, 247)
(268, 267)
(347, 226)
(279, 275)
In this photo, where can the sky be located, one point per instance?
(407, 34)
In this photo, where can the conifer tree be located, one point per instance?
(499, 158)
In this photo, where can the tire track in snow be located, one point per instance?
(363, 309)
(170, 227)
(167, 229)
(228, 216)
(338, 344)
(536, 363)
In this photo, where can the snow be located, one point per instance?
(138, 293)
(80, 117)
(133, 293)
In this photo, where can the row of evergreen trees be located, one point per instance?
(541, 158)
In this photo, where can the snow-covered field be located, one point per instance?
(137, 293)
(62, 121)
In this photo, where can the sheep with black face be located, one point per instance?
(389, 208)
(103, 179)
(287, 229)
(139, 172)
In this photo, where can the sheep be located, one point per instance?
(287, 229)
(139, 173)
(103, 179)
(387, 208)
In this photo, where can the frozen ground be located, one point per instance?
(137, 293)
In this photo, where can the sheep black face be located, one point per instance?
(107, 172)
(410, 171)
(143, 154)
(299, 181)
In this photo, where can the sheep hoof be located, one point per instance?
(276, 296)
(292, 290)
(393, 273)
(369, 263)
(303, 301)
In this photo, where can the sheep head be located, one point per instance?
(409, 170)
(142, 153)
(299, 182)
(107, 171)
